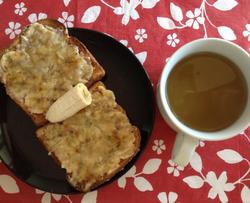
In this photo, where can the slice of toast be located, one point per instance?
(42, 64)
(94, 144)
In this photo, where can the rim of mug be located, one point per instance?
(203, 135)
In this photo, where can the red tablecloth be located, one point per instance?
(153, 29)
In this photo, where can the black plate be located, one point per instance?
(26, 157)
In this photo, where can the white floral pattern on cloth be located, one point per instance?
(172, 40)
(171, 197)
(8, 184)
(128, 8)
(159, 146)
(195, 19)
(174, 168)
(67, 19)
(20, 9)
(141, 183)
(219, 186)
(91, 14)
(246, 33)
(47, 197)
(13, 30)
(34, 17)
(141, 35)
(66, 2)
(90, 197)
(198, 17)
(1, 2)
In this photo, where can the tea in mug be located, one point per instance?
(206, 91)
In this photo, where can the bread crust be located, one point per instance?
(123, 162)
(98, 71)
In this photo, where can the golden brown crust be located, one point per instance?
(41, 133)
(98, 71)
(54, 24)
(38, 119)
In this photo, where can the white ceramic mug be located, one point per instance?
(187, 138)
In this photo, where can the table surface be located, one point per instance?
(153, 30)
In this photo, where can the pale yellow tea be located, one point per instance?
(206, 91)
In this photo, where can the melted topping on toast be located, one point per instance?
(91, 144)
(42, 66)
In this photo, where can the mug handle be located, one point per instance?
(183, 149)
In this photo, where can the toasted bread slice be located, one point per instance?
(42, 64)
(94, 144)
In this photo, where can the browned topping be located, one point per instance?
(42, 67)
(99, 144)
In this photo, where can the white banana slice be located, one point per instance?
(70, 103)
